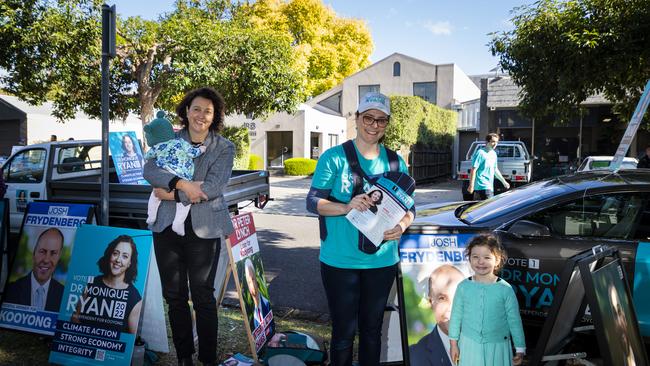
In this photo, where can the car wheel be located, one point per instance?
(466, 195)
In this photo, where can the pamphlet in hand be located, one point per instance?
(390, 204)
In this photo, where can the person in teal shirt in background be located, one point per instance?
(484, 169)
(357, 283)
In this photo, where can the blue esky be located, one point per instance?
(436, 31)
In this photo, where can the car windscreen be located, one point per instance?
(604, 164)
(509, 201)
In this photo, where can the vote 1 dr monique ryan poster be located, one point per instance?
(102, 301)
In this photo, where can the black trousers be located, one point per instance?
(483, 194)
(356, 297)
(183, 258)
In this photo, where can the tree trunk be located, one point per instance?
(146, 108)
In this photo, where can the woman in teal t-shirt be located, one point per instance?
(357, 283)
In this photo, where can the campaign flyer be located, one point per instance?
(98, 318)
(389, 205)
(36, 281)
(127, 157)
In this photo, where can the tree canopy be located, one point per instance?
(327, 47)
(53, 50)
(561, 52)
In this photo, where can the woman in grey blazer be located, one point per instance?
(194, 256)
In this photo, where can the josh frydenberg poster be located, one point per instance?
(127, 157)
(249, 279)
(102, 301)
(35, 286)
(432, 267)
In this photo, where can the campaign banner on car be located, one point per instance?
(248, 273)
(36, 280)
(98, 319)
(127, 157)
(432, 266)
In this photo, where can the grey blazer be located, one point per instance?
(210, 219)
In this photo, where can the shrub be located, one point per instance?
(239, 137)
(414, 120)
(299, 166)
(255, 162)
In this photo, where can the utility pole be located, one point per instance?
(108, 52)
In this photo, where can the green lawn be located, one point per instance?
(27, 349)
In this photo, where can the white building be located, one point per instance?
(306, 134)
(444, 85)
(24, 124)
(328, 119)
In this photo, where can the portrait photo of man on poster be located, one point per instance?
(256, 295)
(37, 288)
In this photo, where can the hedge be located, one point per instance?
(255, 162)
(416, 121)
(299, 166)
(239, 137)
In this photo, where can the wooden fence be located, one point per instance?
(427, 164)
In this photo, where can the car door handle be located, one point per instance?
(34, 194)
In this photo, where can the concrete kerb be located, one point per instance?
(282, 312)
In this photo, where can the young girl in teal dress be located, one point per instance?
(485, 313)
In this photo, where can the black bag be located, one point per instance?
(308, 348)
(404, 181)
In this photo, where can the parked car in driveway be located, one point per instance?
(545, 222)
(603, 162)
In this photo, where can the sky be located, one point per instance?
(435, 31)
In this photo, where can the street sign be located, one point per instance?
(632, 127)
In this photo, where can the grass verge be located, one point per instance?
(18, 348)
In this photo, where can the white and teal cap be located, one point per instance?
(374, 100)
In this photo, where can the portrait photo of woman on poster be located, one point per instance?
(376, 196)
(111, 300)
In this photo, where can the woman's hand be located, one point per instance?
(394, 233)
(518, 359)
(454, 352)
(193, 190)
(360, 202)
(163, 195)
(399, 229)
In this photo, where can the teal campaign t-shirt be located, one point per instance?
(485, 164)
(341, 248)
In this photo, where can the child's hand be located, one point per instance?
(518, 359)
(454, 352)
(203, 148)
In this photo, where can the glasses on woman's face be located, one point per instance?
(369, 120)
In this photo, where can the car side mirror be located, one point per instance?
(525, 228)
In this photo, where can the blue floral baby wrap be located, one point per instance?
(175, 156)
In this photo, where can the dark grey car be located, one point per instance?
(545, 222)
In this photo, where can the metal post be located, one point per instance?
(108, 51)
(402, 316)
(580, 139)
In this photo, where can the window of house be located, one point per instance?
(613, 215)
(365, 89)
(426, 91)
(333, 139)
(397, 69)
(332, 102)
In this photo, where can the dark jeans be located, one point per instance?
(483, 194)
(356, 297)
(189, 257)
